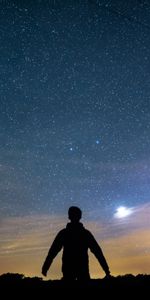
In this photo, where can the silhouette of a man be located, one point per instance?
(75, 241)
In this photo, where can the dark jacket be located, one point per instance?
(75, 241)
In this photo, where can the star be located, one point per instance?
(97, 142)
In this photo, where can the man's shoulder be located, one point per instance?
(61, 232)
(88, 232)
(90, 236)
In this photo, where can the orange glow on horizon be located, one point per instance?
(23, 251)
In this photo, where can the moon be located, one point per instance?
(123, 212)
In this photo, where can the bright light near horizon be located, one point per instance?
(123, 212)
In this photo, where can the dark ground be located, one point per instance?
(128, 286)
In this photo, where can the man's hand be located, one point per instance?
(108, 275)
(44, 271)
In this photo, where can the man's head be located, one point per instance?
(74, 214)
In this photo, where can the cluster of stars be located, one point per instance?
(74, 104)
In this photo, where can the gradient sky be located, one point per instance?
(74, 130)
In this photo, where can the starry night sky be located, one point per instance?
(74, 128)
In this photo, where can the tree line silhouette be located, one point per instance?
(14, 284)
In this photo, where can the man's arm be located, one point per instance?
(53, 251)
(97, 251)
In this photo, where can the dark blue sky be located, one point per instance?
(75, 106)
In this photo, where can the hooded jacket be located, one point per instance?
(75, 241)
